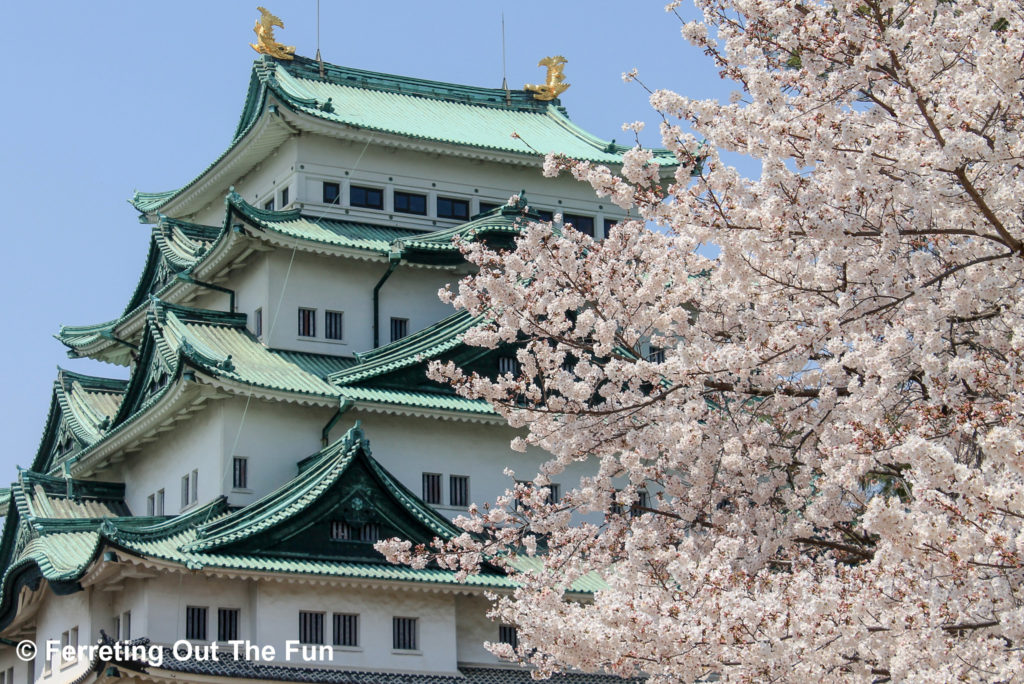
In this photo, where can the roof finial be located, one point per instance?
(265, 43)
(504, 79)
(554, 85)
(319, 59)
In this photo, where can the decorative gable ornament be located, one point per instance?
(265, 43)
(555, 82)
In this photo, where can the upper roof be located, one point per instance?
(464, 117)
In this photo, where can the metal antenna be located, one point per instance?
(504, 80)
(318, 57)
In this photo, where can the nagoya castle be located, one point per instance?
(212, 518)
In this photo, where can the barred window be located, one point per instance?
(399, 328)
(269, 204)
(555, 493)
(240, 477)
(656, 355)
(332, 193)
(307, 322)
(507, 634)
(257, 322)
(333, 328)
(410, 203)
(340, 531)
(432, 488)
(195, 623)
(227, 624)
(311, 627)
(346, 629)
(404, 633)
(584, 224)
(151, 504)
(451, 208)
(458, 490)
(508, 364)
(184, 491)
(123, 625)
(195, 486)
(284, 198)
(370, 532)
(643, 500)
(371, 198)
(160, 497)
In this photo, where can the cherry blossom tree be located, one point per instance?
(808, 451)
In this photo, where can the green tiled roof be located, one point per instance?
(487, 119)
(428, 343)
(362, 236)
(436, 401)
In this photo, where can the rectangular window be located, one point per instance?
(151, 504)
(370, 198)
(507, 634)
(240, 478)
(488, 206)
(124, 626)
(556, 492)
(656, 355)
(608, 224)
(544, 214)
(399, 328)
(284, 198)
(257, 322)
(508, 364)
(370, 532)
(160, 498)
(340, 531)
(332, 193)
(227, 624)
(333, 325)
(410, 203)
(195, 623)
(307, 322)
(195, 486)
(346, 629)
(458, 490)
(404, 635)
(184, 491)
(269, 204)
(643, 500)
(311, 627)
(584, 224)
(451, 208)
(432, 488)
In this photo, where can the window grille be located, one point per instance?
(340, 531)
(346, 629)
(507, 634)
(227, 624)
(307, 322)
(410, 203)
(195, 486)
(333, 328)
(269, 205)
(195, 623)
(451, 208)
(184, 491)
(555, 492)
(370, 532)
(656, 355)
(160, 498)
(257, 322)
(399, 328)
(458, 490)
(432, 488)
(151, 504)
(508, 364)
(643, 500)
(332, 193)
(370, 198)
(284, 198)
(240, 478)
(311, 627)
(404, 633)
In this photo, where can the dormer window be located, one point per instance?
(369, 198)
(451, 208)
(410, 203)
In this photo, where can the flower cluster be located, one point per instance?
(806, 454)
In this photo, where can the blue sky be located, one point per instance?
(108, 97)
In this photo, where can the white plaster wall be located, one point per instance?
(409, 447)
(168, 597)
(9, 662)
(193, 443)
(59, 614)
(274, 436)
(474, 628)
